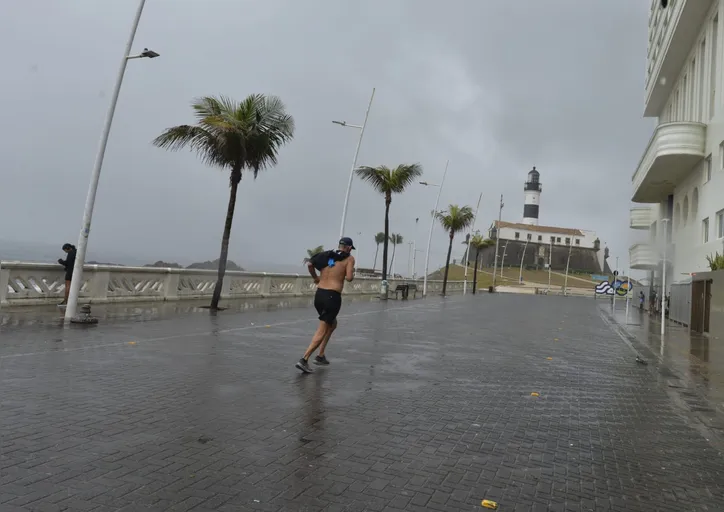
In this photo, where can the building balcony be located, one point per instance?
(681, 32)
(641, 217)
(673, 150)
(643, 257)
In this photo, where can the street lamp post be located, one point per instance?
(497, 239)
(77, 280)
(467, 255)
(520, 273)
(663, 282)
(550, 263)
(568, 263)
(432, 225)
(354, 161)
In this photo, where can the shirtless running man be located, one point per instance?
(328, 299)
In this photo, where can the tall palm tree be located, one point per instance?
(456, 218)
(379, 238)
(477, 242)
(396, 239)
(388, 181)
(312, 252)
(235, 137)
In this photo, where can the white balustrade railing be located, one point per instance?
(23, 283)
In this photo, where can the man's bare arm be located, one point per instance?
(350, 268)
(313, 272)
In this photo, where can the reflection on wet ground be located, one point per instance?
(691, 365)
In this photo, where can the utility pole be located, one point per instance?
(497, 240)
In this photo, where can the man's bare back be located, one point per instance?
(332, 278)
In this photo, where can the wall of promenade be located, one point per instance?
(23, 283)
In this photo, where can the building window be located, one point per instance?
(707, 169)
(558, 239)
(540, 238)
(705, 229)
(529, 236)
(720, 224)
(553, 239)
(517, 235)
(578, 241)
(568, 241)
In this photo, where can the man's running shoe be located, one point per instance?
(321, 360)
(304, 366)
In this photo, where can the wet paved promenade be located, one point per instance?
(426, 406)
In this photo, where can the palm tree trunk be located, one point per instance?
(388, 200)
(475, 273)
(447, 264)
(216, 297)
(375, 263)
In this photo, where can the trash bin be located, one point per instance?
(405, 291)
(490, 289)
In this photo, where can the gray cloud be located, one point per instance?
(494, 86)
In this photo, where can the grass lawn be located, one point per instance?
(510, 277)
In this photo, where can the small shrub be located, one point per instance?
(716, 262)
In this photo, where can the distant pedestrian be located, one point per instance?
(68, 263)
(642, 300)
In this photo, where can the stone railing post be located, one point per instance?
(170, 284)
(97, 283)
(265, 285)
(226, 287)
(298, 282)
(4, 283)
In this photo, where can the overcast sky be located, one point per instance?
(495, 86)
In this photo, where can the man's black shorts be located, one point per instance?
(328, 304)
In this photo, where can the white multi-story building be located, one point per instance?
(679, 181)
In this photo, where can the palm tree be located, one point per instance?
(477, 242)
(396, 240)
(388, 181)
(234, 137)
(379, 238)
(456, 218)
(312, 252)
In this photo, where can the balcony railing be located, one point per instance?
(643, 257)
(641, 217)
(673, 150)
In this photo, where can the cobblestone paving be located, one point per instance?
(427, 406)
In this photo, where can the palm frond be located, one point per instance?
(478, 242)
(456, 218)
(379, 238)
(378, 177)
(237, 135)
(316, 250)
(403, 176)
(196, 139)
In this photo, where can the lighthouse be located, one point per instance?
(532, 189)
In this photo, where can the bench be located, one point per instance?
(405, 289)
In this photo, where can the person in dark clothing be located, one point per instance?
(68, 263)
